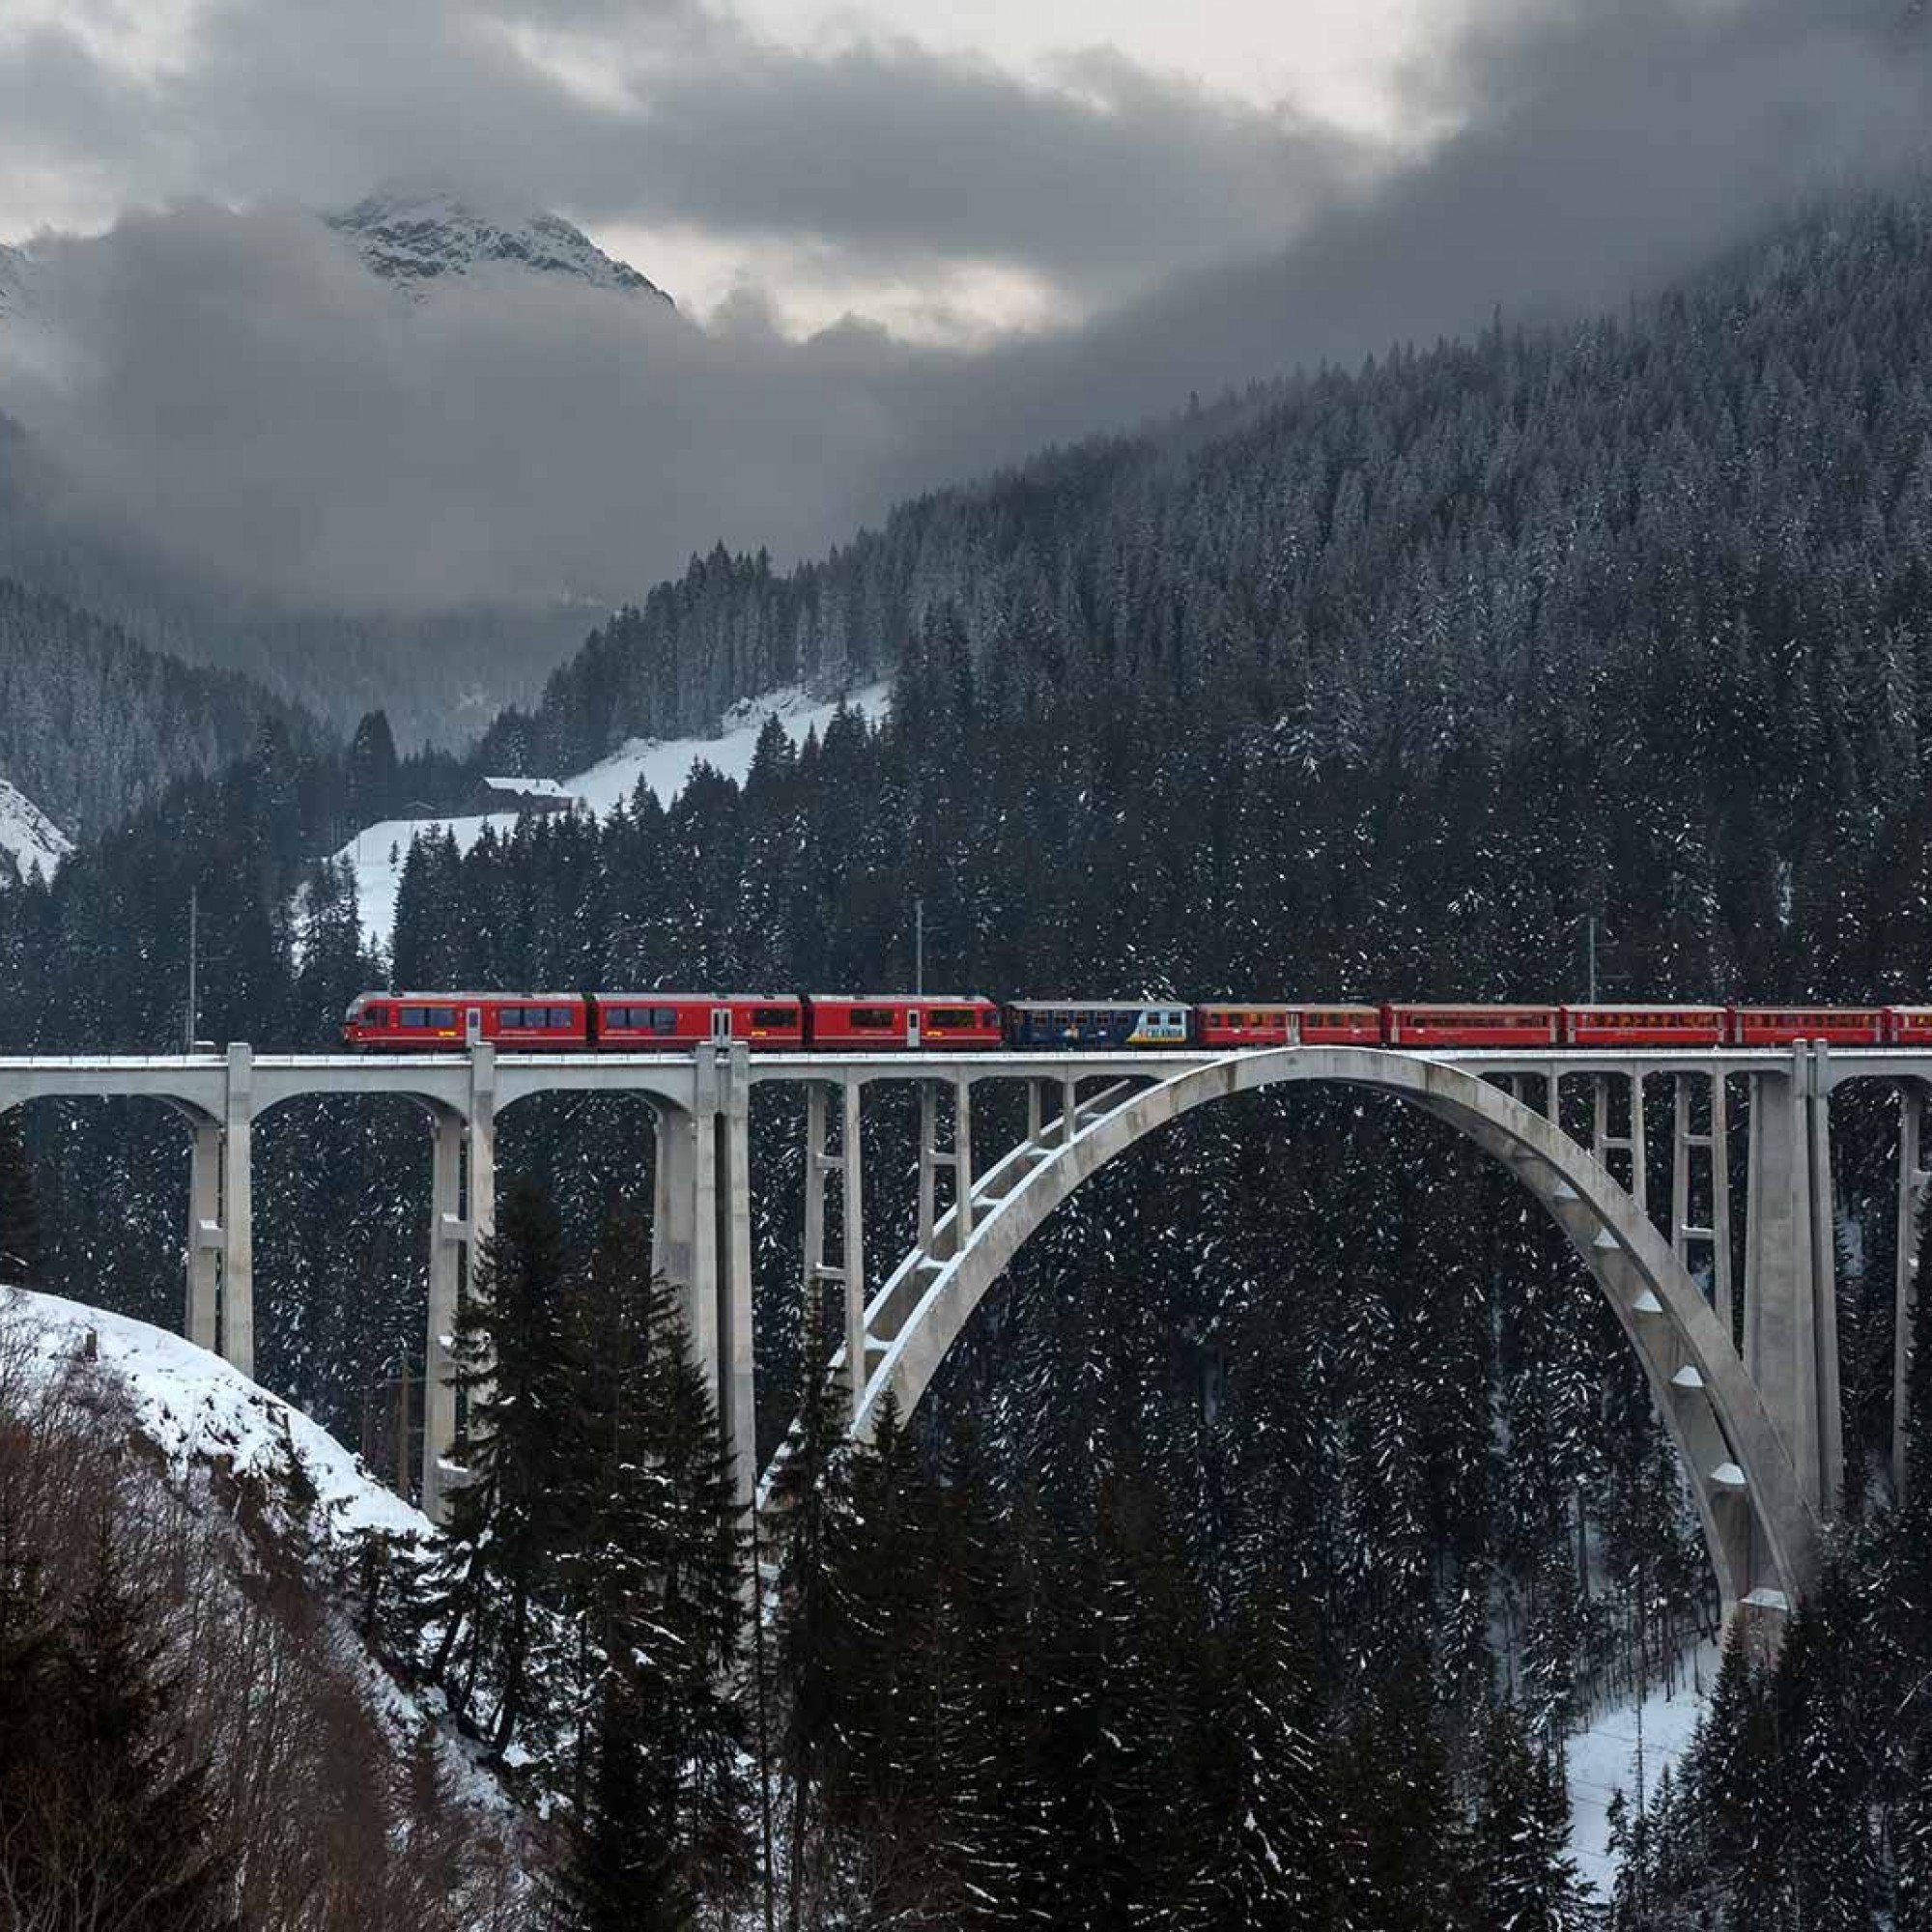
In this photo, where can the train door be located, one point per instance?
(912, 1027)
(472, 1024)
(721, 1026)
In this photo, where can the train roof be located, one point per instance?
(648, 994)
(445, 999)
(1644, 1007)
(1467, 1007)
(1287, 1005)
(911, 999)
(1092, 1006)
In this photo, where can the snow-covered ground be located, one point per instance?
(377, 851)
(28, 837)
(195, 1407)
(1602, 1760)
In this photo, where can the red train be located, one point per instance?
(949, 1023)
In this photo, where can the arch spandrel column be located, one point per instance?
(1760, 1530)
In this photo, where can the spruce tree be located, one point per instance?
(139, 1844)
(487, 1595)
(1272, 1844)
(810, 1659)
(1528, 1881)
(19, 1208)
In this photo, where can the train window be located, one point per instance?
(616, 1016)
(509, 1016)
(949, 1019)
(773, 1017)
(415, 1016)
(873, 1019)
(442, 1016)
(560, 1016)
(375, 1016)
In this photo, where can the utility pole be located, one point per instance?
(189, 1018)
(919, 946)
(1590, 929)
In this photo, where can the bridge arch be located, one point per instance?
(1759, 1531)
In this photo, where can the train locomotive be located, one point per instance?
(952, 1023)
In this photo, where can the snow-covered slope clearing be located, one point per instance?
(194, 1408)
(1602, 1760)
(28, 837)
(377, 851)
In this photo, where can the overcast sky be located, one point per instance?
(947, 168)
(907, 242)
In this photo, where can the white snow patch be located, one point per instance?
(28, 837)
(377, 853)
(1602, 1759)
(195, 1407)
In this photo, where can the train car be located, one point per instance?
(1096, 1023)
(443, 1022)
(1782, 1025)
(1624, 1025)
(898, 1022)
(1246, 1023)
(1908, 1026)
(675, 1022)
(1409, 1023)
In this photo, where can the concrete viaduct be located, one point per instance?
(1759, 1428)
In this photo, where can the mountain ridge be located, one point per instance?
(415, 237)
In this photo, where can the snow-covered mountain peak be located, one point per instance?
(415, 235)
(28, 837)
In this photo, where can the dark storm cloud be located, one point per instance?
(244, 391)
(886, 153)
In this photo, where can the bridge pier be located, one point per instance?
(1791, 1308)
(449, 1235)
(1913, 1184)
(702, 1241)
(238, 1215)
(204, 1235)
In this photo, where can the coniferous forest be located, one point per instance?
(1297, 1497)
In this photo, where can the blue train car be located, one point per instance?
(1098, 1023)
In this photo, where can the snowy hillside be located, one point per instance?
(417, 236)
(196, 1409)
(377, 851)
(1601, 1760)
(28, 837)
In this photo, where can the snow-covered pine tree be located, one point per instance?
(1271, 1845)
(492, 1581)
(19, 1208)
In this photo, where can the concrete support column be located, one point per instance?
(238, 1218)
(1825, 1280)
(1035, 1113)
(479, 1207)
(737, 1358)
(852, 1217)
(449, 1234)
(204, 1235)
(816, 1163)
(962, 1156)
(928, 1161)
(1912, 1185)
(700, 1290)
(1639, 1151)
(1720, 1202)
(1069, 1111)
(1790, 1305)
(1681, 1143)
(671, 1219)
(482, 1149)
